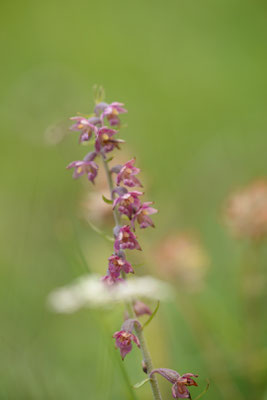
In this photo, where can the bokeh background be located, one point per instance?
(193, 76)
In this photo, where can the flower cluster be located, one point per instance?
(105, 137)
(102, 128)
(125, 202)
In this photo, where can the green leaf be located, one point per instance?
(152, 315)
(138, 385)
(204, 391)
(108, 201)
(109, 159)
(101, 233)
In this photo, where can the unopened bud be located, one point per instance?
(144, 367)
(90, 156)
(116, 169)
(116, 230)
(141, 308)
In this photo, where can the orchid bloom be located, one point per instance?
(105, 141)
(126, 239)
(128, 203)
(180, 383)
(84, 167)
(117, 264)
(142, 215)
(110, 111)
(85, 126)
(124, 341)
(127, 174)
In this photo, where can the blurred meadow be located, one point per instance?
(193, 76)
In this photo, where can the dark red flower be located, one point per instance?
(126, 239)
(124, 341)
(180, 383)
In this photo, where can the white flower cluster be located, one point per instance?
(90, 291)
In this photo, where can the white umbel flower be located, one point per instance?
(90, 291)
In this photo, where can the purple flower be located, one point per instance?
(110, 111)
(127, 175)
(85, 126)
(110, 280)
(105, 141)
(180, 383)
(128, 203)
(126, 239)
(142, 215)
(84, 167)
(117, 264)
(124, 341)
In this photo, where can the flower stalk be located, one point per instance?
(111, 188)
(125, 201)
(138, 329)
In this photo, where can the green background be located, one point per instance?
(193, 76)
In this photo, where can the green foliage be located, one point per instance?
(140, 384)
(152, 315)
(108, 201)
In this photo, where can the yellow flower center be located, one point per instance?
(125, 337)
(79, 170)
(105, 137)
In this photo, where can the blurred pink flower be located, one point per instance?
(245, 212)
(110, 111)
(181, 256)
(110, 280)
(85, 126)
(141, 308)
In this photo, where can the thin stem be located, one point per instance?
(139, 330)
(111, 187)
(146, 355)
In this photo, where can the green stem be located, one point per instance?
(138, 329)
(146, 355)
